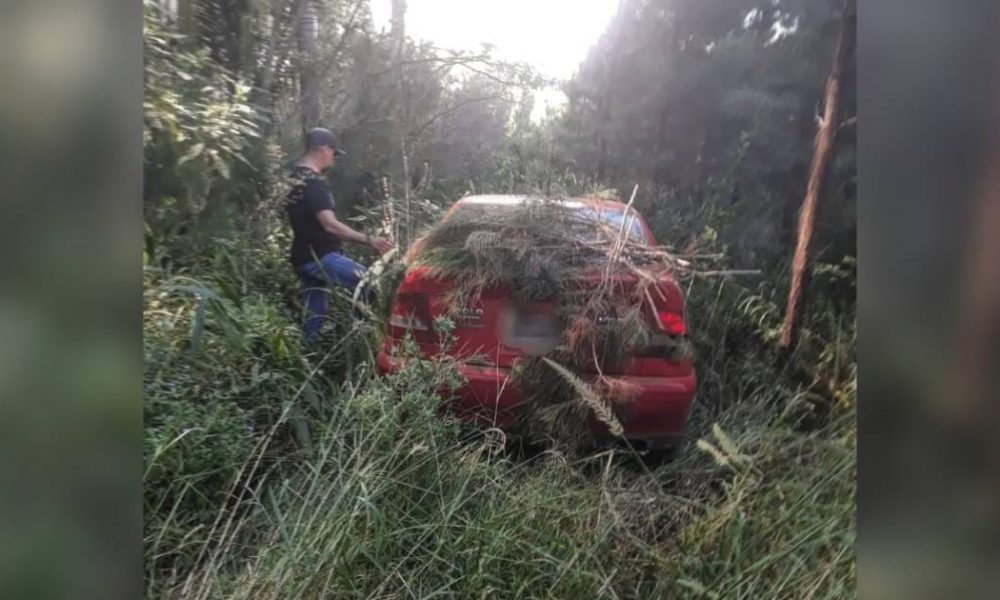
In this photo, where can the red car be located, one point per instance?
(486, 348)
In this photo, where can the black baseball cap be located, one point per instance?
(319, 136)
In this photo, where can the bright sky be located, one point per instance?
(551, 35)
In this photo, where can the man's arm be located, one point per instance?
(330, 223)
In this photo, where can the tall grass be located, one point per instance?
(228, 385)
(273, 473)
(396, 504)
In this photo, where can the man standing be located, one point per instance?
(318, 236)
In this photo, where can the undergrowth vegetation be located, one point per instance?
(276, 472)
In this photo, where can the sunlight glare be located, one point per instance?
(551, 35)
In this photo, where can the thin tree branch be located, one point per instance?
(348, 28)
(491, 76)
(454, 60)
(449, 110)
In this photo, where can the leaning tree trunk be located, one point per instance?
(308, 33)
(823, 151)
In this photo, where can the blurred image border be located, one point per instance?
(928, 300)
(70, 299)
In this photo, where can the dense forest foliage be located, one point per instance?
(273, 470)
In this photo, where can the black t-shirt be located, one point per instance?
(309, 196)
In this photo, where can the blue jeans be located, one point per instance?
(333, 269)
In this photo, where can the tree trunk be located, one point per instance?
(265, 75)
(171, 11)
(308, 33)
(823, 151)
(603, 120)
(398, 35)
(397, 23)
(402, 113)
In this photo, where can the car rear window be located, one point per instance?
(589, 216)
(614, 219)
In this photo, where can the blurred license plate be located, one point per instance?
(533, 331)
(535, 325)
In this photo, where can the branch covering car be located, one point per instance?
(568, 321)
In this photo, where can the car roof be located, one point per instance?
(513, 199)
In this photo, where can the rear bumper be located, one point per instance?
(656, 418)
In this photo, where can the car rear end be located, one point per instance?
(495, 331)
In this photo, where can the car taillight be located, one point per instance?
(670, 322)
(664, 312)
(669, 338)
(411, 311)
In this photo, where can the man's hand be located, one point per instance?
(330, 223)
(380, 245)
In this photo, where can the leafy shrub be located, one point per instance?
(197, 127)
